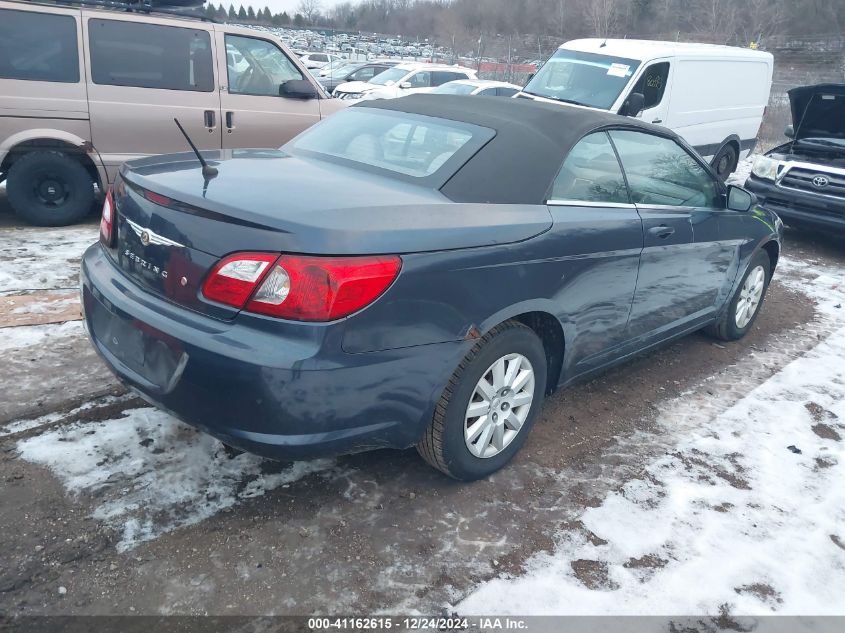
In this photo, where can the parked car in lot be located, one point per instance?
(471, 256)
(106, 84)
(402, 80)
(317, 60)
(361, 71)
(480, 87)
(713, 96)
(804, 180)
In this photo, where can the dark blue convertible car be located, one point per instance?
(415, 272)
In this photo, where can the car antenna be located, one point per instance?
(208, 172)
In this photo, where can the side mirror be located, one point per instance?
(298, 89)
(405, 85)
(789, 132)
(739, 199)
(633, 104)
(530, 77)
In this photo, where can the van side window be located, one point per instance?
(27, 52)
(264, 69)
(150, 56)
(661, 172)
(591, 173)
(652, 84)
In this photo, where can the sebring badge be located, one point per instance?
(149, 237)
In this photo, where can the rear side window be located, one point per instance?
(38, 47)
(150, 56)
(506, 92)
(591, 173)
(661, 172)
(652, 84)
(441, 77)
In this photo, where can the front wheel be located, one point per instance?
(745, 305)
(489, 406)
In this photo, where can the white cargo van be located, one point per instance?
(713, 96)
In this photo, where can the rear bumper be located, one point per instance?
(275, 388)
(798, 207)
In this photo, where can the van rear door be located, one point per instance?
(143, 72)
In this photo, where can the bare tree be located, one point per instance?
(602, 16)
(310, 9)
(716, 18)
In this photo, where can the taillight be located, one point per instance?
(107, 221)
(301, 288)
(233, 280)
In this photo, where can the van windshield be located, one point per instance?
(582, 78)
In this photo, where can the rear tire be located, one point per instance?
(516, 396)
(736, 323)
(726, 161)
(48, 188)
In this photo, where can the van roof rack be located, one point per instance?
(183, 8)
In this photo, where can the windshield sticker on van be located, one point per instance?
(619, 70)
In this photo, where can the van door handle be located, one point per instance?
(210, 119)
(658, 121)
(230, 120)
(661, 231)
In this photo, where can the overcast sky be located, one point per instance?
(276, 6)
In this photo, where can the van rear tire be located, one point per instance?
(726, 161)
(49, 188)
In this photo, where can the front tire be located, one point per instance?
(50, 189)
(489, 406)
(745, 305)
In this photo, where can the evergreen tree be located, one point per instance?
(284, 18)
(298, 20)
(242, 13)
(232, 14)
(250, 14)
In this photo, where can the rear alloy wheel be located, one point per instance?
(726, 161)
(744, 306)
(50, 189)
(489, 406)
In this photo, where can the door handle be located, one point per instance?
(658, 121)
(230, 120)
(661, 231)
(210, 119)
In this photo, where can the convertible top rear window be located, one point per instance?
(409, 145)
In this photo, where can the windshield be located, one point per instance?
(454, 88)
(582, 78)
(391, 74)
(408, 144)
(342, 71)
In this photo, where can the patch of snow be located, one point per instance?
(28, 335)
(34, 258)
(742, 171)
(729, 517)
(150, 474)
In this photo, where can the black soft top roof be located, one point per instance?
(532, 139)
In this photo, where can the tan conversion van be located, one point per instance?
(83, 90)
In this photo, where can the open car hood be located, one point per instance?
(818, 111)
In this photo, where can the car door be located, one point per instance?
(253, 112)
(142, 74)
(682, 263)
(419, 81)
(652, 85)
(598, 234)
